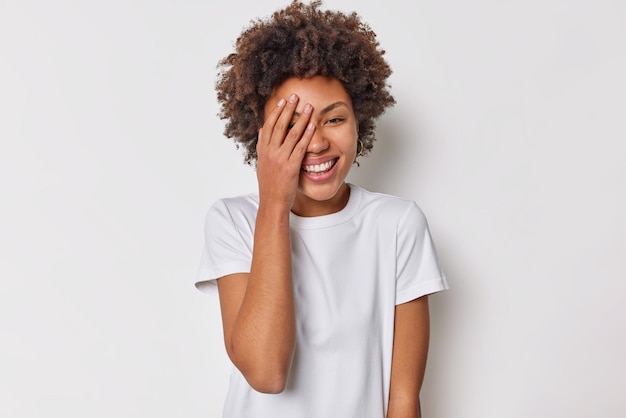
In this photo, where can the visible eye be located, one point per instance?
(290, 126)
(334, 121)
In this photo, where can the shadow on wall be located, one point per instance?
(395, 166)
(385, 168)
(445, 340)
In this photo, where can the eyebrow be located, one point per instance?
(327, 108)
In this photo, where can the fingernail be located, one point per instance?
(280, 102)
(292, 98)
(310, 126)
(307, 108)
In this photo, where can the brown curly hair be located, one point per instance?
(301, 41)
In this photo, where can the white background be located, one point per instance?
(509, 132)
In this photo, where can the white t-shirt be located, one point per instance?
(350, 270)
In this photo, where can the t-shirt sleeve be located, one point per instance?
(418, 270)
(225, 250)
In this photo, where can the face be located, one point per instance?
(332, 150)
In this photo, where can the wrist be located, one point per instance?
(273, 210)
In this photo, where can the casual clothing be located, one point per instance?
(350, 270)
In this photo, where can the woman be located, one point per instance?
(322, 285)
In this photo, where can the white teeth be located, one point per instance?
(318, 168)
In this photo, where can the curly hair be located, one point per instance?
(301, 41)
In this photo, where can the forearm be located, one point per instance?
(408, 410)
(410, 352)
(263, 336)
(259, 318)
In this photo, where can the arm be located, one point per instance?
(258, 308)
(258, 312)
(410, 350)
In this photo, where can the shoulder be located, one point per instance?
(235, 209)
(246, 202)
(399, 208)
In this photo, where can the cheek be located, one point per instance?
(354, 135)
(345, 133)
(349, 141)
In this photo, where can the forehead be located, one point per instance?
(318, 91)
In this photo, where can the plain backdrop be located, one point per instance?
(509, 132)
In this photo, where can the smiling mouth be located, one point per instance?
(317, 169)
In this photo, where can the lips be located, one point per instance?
(320, 168)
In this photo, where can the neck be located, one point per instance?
(307, 207)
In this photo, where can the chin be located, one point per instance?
(320, 192)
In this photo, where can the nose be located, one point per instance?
(319, 142)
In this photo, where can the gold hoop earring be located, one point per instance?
(359, 152)
(359, 148)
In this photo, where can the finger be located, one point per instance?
(270, 122)
(299, 150)
(278, 122)
(260, 140)
(298, 129)
(283, 124)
